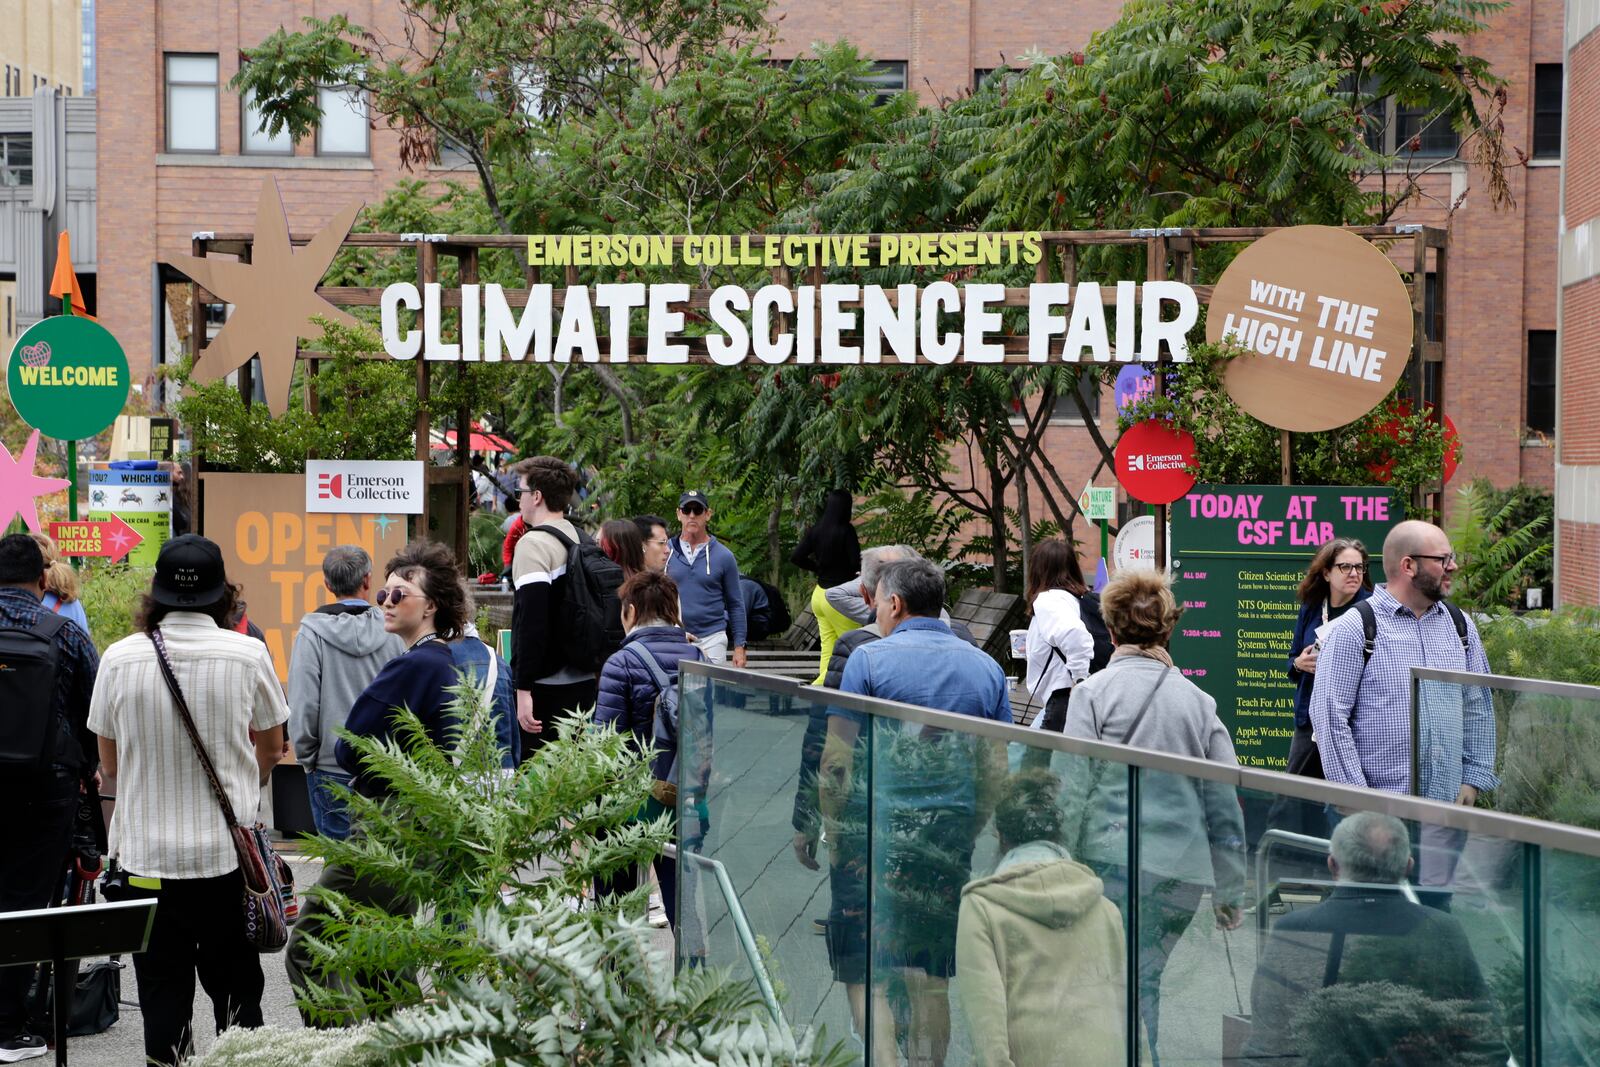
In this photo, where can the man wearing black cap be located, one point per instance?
(46, 755)
(708, 582)
(168, 830)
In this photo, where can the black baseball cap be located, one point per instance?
(693, 496)
(189, 573)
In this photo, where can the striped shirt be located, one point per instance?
(167, 822)
(1361, 711)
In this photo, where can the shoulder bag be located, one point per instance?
(269, 901)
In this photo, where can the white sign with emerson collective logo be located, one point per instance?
(364, 486)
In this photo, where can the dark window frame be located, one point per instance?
(366, 128)
(19, 170)
(1548, 107)
(1539, 411)
(245, 130)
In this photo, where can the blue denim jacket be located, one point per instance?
(924, 663)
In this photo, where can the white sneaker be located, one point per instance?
(22, 1047)
(657, 913)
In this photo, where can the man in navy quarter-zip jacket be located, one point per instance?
(708, 583)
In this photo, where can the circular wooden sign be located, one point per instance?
(1326, 324)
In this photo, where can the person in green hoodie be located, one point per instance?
(1040, 957)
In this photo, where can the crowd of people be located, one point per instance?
(605, 622)
(1098, 667)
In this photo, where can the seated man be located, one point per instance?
(1307, 999)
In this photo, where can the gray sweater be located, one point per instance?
(1190, 829)
(337, 653)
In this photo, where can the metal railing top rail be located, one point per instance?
(1452, 816)
(1539, 686)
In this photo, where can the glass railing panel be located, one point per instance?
(1408, 948)
(1544, 746)
(742, 796)
(1569, 980)
(991, 942)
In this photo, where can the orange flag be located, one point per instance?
(65, 282)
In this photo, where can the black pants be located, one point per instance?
(198, 930)
(1054, 714)
(666, 868)
(35, 837)
(1304, 759)
(552, 704)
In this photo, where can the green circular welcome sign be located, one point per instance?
(68, 377)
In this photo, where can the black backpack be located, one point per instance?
(1095, 623)
(591, 613)
(29, 659)
(778, 617)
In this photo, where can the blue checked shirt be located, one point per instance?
(1361, 718)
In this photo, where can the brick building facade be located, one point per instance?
(1578, 458)
(155, 192)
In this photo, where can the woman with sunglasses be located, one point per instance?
(425, 605)
(1337, 579)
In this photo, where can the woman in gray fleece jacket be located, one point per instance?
(1191, 831)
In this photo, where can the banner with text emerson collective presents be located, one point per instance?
(1238, 555)
(274, 548)
(940, 322)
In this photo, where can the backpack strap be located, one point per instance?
(662, 679)
(1369, 628)
(47, 626)
(1458, 617)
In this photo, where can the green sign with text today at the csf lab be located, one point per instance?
(1238, 555)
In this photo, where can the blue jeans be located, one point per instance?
(327, 809)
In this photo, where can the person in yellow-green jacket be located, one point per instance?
(832, 552)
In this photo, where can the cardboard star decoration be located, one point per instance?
(20, 487)
(274, 297)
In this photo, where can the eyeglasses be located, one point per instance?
(1444, 561)
(658, 541)
(1350, 568)
(692, 509)
(393, 596)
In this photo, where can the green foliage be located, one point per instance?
(456, 833)
(485, 544)
(1562, 646)
(1356, 1024)
(111, 595)
(367, 411)
(273, 1046)
(515, 969)
(1505, 542)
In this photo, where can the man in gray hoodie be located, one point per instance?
(339, 650)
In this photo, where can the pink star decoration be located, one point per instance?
(118, 539)
(20, 487)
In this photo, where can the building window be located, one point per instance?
(1397, 131)
(1541, 416)
(1547, 111)
(253, 140)
(192, 103)
(8, 79)
(11, 322)
(343, 129)
(887, 78)
(1066, 409)
(16, 159)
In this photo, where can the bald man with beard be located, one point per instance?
(1361, 706)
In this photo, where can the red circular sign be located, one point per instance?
(1154, 462)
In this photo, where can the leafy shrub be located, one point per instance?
(1505, 542)
(502, 961)
(110, 594)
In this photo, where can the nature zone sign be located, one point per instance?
(938, 323)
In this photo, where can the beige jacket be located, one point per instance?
(1040, 964)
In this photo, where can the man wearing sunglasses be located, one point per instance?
(1361, 704)
(708, 582)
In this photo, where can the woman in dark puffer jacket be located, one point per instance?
(627, 697)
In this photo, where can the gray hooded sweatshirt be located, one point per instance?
(338, 651)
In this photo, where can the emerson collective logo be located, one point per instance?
(353, 486)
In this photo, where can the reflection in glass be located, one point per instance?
(1368, 975)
